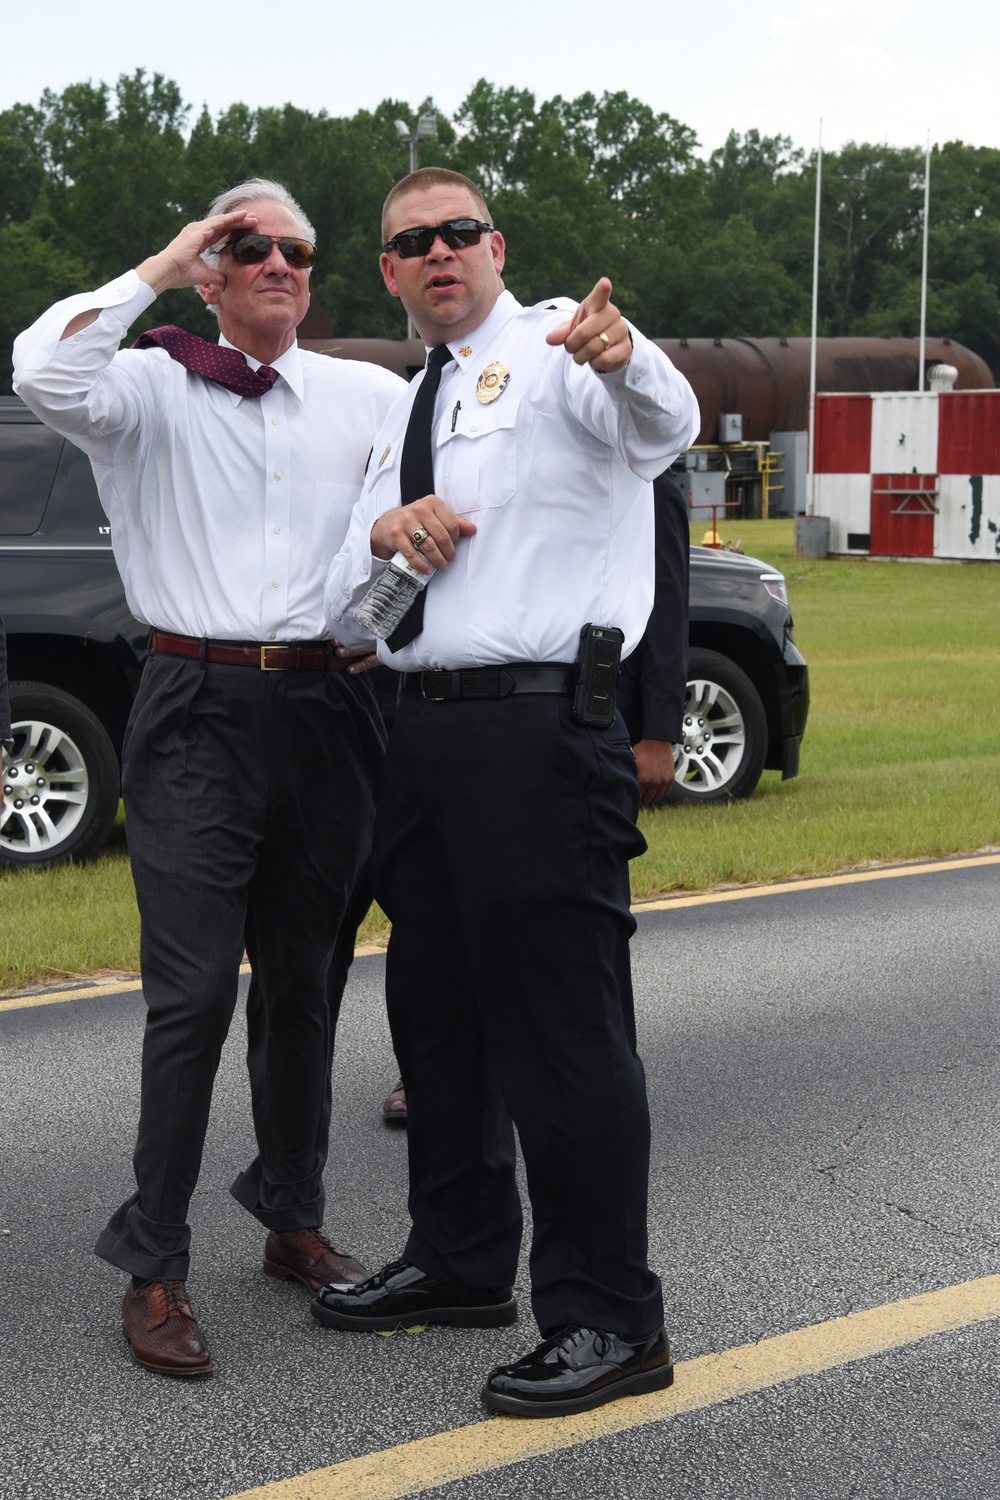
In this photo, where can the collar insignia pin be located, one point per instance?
(385, 455)
(492, 383)
(465, 351)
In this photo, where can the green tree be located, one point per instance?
(38, 270)
(115, 165)
(22, 162)
(101, 176)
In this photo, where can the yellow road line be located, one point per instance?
(425, 1464)
(786, 887)
(665, 903)
(119, 987)
(57, 997)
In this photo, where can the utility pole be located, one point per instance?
(426, 129)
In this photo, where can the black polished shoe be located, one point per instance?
(400, 1296)
(578, 1369)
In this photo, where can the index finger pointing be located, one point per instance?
(600, 296)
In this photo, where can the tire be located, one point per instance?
(61, 783)
(725, 733)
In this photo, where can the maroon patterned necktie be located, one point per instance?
(215, 362)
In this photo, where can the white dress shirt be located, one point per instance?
(555, 472)
(225, 510)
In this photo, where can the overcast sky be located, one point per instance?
(873, 70)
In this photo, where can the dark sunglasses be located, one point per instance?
(458, 234)
(251, 249)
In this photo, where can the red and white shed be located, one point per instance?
(910, 474)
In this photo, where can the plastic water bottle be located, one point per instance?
(388, 599)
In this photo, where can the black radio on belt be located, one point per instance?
(597, 675)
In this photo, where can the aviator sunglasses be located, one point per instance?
(457, 234)
(251, 249)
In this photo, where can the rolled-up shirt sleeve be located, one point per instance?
(67, 382)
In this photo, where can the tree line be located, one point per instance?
(95, 178)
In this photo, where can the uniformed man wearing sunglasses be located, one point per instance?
(508, 803)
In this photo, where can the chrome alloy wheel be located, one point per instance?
(714, 740)
(46, 788)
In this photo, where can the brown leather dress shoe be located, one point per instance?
(394, 1105)
(158, 1322)
(310, 1256)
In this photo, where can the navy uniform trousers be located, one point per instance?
(249, 801)
(501, 852)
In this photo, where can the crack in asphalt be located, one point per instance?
(965, 1235)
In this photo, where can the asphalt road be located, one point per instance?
(824, 1078)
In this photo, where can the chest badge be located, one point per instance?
(385, 455)
(492, 383)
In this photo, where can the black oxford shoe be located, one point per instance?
(578, 1369)
(400, 1296)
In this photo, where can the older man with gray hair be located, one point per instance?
(229, 472)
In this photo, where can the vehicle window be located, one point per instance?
(29, 454)
(74, 511)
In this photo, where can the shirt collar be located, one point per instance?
(288, 366)
(467, 350)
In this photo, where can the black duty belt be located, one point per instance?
(491, 682)
(281, 656)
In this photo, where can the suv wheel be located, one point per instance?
(725, 733)
(60, 784)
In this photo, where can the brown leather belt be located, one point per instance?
(315, 657)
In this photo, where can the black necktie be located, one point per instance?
(416, 475)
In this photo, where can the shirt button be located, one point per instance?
(274, 421)
(77, 337)
(276, 530)
(271, 635)
(277, 475)
(274, 583)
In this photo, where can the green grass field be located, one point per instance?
(901, 760)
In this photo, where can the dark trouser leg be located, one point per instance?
(194, 815)
(535, 818)
(220, 818)
(463, 1198)
(306, 899)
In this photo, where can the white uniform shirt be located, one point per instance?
(556, 473)
(225, 510)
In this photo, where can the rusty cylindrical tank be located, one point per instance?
(767, 380)
(402, 356)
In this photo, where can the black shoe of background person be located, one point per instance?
(401, 1296)
(578, 1369)
(394, 1105)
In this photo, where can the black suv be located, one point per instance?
(75, 655)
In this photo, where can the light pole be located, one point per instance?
(426, 129)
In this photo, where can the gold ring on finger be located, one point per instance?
(419, 537)
(605, 340)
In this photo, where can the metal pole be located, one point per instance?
(425, 129)
(923, 273)
(811, 459)
(410, 330)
